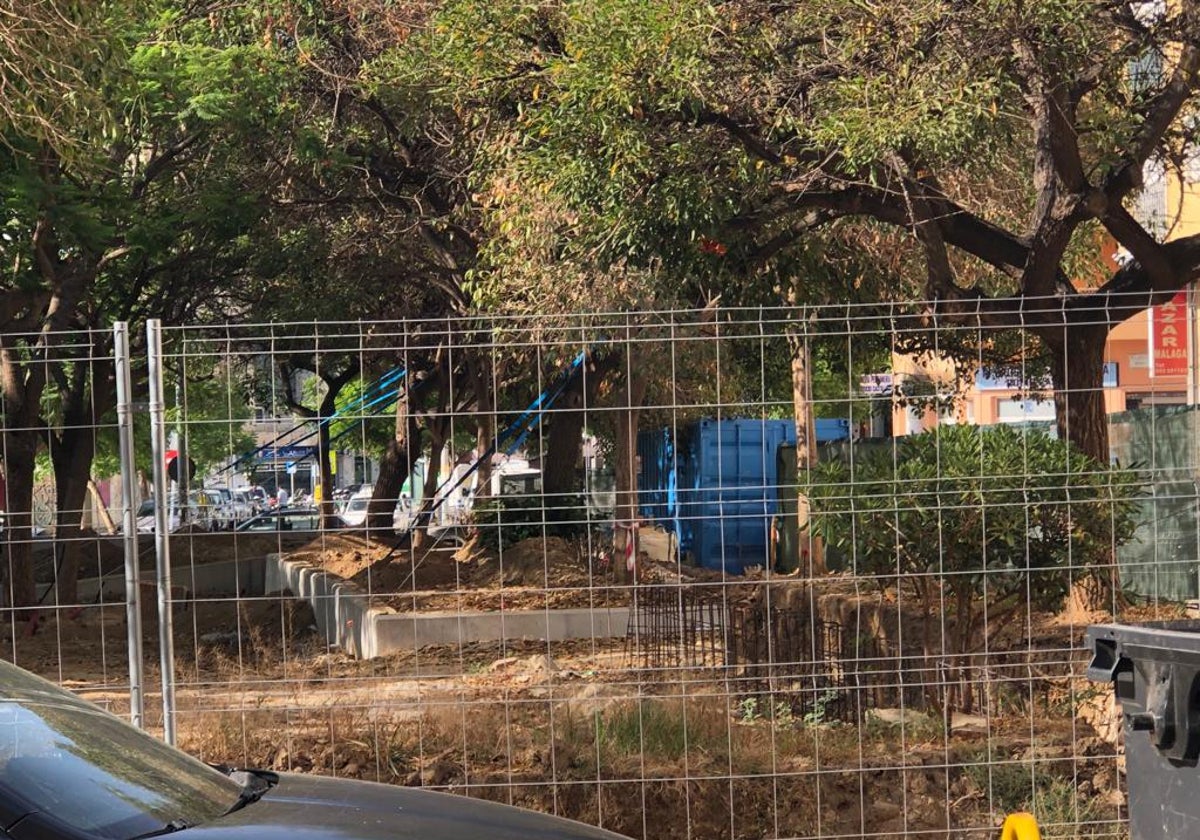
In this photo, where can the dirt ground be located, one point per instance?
(537, 573)
(104, 556)
(577, 728)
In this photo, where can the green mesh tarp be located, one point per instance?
(1162, 442)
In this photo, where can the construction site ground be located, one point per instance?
(578, 728)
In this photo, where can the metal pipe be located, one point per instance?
(183, 475)
(129, 537)
(162, 533)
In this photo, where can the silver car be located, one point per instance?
(71, 771)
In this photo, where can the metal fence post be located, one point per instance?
(129, 536)
(162, 531)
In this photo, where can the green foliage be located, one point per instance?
(505, 521)
(357, 429)
(820, 709)
(216, 421)
(1048, 791)
(657, 728)
(910, 85)
(57, 60)
(680, 138)
(985, 512)
(216, 415)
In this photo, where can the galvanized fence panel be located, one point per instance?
(575, 563)
(66, 506)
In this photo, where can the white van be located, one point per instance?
(354, 513)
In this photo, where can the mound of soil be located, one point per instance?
(537, 573)
(102, 556)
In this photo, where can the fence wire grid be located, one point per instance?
(725, 573)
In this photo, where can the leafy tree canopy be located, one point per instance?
(974, 152)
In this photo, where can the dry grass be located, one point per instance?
(679, 766)
(662, 754)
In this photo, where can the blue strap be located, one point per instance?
(521, 427)
(393, 375)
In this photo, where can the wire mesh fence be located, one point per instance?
(765, 572)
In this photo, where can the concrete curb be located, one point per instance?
(245, 576)
(346, 618)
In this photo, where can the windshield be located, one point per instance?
(80, 765)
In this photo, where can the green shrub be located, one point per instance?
(505, 521)
(963, 512)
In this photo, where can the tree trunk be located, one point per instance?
(91, 394)
(20, 446)
(1079, 388)
(322, 417)
(632, 396)
(394, 468)
(329, 516)
(562, 477)
(21, 387)
(438, 429)
(561, 481)
(1078, 378)
(437, 443)
(812, 559)
(72, 460)
(485, 431)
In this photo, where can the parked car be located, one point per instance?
(205, 505)
(220, 512)
(243, 508)
(144, 517)
(285, 519)
(348, 491)
(229, 507)
(258, 499)
(71, 771)
(354, 513)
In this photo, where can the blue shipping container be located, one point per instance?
(714, 485)
(656, 475)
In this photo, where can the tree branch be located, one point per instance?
(960, 228)
(1057, 155)
(749, 141)
(812, 220)
(1162, 109)
(1058, 175)
(1133, 287)
(939, 274)
(158, 164)
(1148, 252)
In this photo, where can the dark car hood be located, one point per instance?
(320, 808)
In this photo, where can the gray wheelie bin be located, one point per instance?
(1154, 669)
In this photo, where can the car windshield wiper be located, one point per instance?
(169, 828)
(255, 784)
